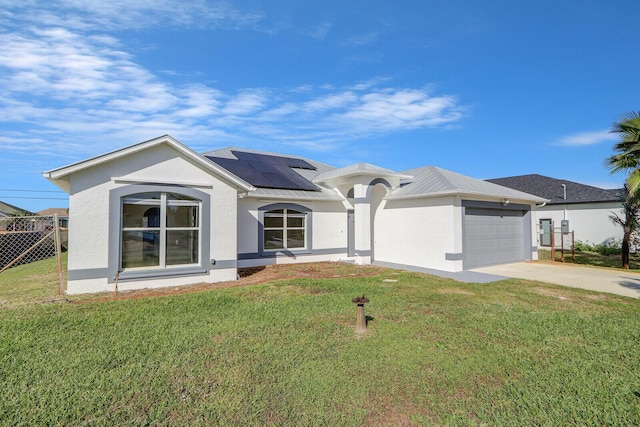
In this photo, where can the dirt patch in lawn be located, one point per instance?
(248, 277)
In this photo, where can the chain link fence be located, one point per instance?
(27, 239)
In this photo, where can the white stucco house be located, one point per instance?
(586, 209)
(159, 214)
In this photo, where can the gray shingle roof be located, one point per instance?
(552, 189)
(431, 181)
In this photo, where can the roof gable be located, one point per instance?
(554, 189)
(359, 169)
(60, 176)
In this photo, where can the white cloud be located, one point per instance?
(74, 92)
(402, 109)
(105, 15)
(330, 102)
(321, 30)
(246, 102)
(360, 40)
(588, 138)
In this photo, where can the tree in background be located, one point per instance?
(627, 158)
(627, 150)
(629, 223)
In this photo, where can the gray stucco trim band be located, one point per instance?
(161, 274)
(284, 254)
(88, 273)
(220, 264)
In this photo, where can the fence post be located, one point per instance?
(553, 243)
(56, 224)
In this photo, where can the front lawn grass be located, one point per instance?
(31, 283)
(438, 352)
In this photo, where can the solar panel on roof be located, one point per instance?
(266, 171)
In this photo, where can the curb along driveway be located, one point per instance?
(592, 278)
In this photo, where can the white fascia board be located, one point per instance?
(59, 173)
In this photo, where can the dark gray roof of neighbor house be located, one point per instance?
(553, 190)
(9, 210)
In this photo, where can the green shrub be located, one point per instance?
(611, 247)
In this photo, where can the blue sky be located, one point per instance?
(488, 89)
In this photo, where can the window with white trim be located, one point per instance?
(284, 229)
(160, 230)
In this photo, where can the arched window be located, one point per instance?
(284, 229)
(160, 230)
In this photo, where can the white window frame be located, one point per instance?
(286, 213)
(163, 203)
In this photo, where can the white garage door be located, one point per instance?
(493, 236)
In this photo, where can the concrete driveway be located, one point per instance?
(591, 278)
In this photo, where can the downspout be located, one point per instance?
(564, 197)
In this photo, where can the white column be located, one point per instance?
(362, 206)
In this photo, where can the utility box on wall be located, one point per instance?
(564, 225)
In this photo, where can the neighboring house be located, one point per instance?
(9, 210)
(587, 209)
(63, 215)
(159, 214)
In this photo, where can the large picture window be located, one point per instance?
(160, 230)
(284, 229)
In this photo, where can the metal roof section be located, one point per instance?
(60, 176)
(359, 169)
(431, 181)
(558, 191)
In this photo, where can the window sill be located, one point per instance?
(284, 252)
(160, 273)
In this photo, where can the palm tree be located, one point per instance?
(630, 221)
(627, 157)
